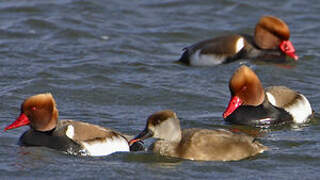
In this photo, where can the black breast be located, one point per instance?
(262, 116)
(253, 52)
(51, 140)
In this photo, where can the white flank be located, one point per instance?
(70, 131)
(271, 99)
(300, 109)
(198, 59)
(106, 147)
(239, 44)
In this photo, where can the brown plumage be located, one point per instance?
(270, 42)
(41, 110)
(85, 132)
(245, 84)
(196, 144)
(223, 46)
(283, 96)
(270, 31)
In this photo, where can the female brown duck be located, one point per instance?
(196, 144)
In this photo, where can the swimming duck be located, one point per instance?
(270, 43)
(251, 104)
(73, 137)
(196, 144)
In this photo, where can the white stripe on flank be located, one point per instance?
(106, 147)
(70, 131)
(271, 99)
(239, 44)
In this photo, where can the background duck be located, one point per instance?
(270, 42)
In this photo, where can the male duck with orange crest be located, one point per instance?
(72, 137)
(270, 43)
(251, 104)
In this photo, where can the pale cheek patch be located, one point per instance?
(70, 132)
(239, 44)
(106, 147)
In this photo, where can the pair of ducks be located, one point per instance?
(250, 104)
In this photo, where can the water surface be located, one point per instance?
(111, 63)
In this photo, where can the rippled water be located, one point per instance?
(112, 64)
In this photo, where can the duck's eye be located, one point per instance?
(243, 88)
(33, 108)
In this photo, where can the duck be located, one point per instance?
(196, 144)
(70, 136)
(250, 104)
(270, 43)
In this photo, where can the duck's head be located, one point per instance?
(39, 112)
(273, 33)
(245, 88)
(161, 125)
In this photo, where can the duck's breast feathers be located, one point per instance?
(50, 139)
(262, 116)
(96, 140)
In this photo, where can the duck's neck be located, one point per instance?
(165, 148)
(254, 51)
(49, 132)
(176, 137)
(169, 131)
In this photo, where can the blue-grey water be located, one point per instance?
(111, 63)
